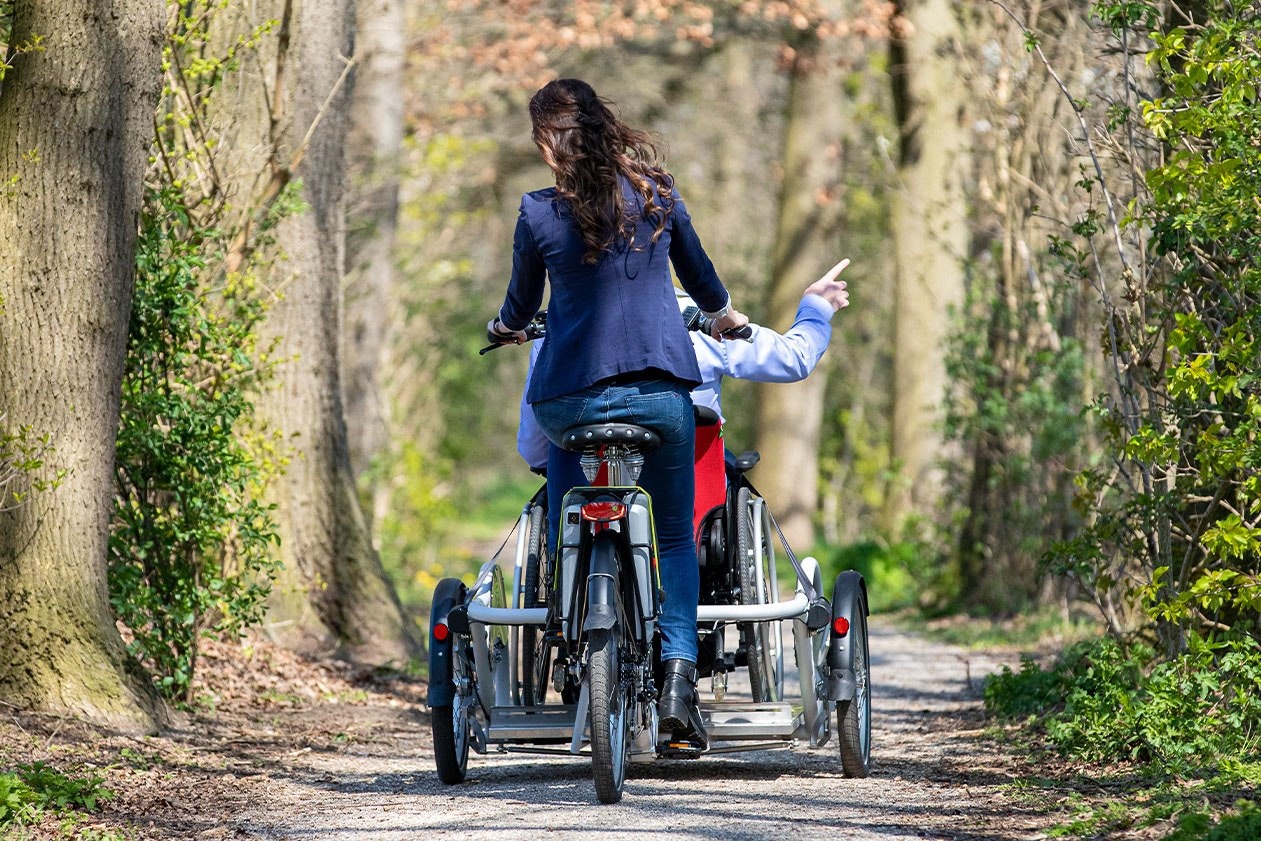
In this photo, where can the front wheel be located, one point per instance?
(853, 717)
(451, 739)
(610, 716)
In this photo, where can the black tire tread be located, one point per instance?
(849, 728)
(603, 680)
(452, 768)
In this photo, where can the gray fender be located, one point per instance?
(849, 595)
(602, 584)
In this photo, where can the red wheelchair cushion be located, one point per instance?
(711, 476)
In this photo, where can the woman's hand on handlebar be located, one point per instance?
(498, 334)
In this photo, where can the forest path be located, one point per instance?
(934, 776)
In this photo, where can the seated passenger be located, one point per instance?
(770, 357)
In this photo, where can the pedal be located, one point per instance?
(678, 750)
(718, 685)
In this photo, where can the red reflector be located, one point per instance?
(840, 626)
(441, 632)
(603, 512)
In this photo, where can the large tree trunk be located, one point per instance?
(930, 240)
(790, 417)
(76, 120)
(333, 593)
(372, 191)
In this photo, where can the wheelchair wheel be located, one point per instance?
(750, 562)
(534, 653)
(610, 716)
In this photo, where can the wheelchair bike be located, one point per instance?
(563, 658)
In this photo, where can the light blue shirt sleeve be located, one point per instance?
(531, 442)
(770, 358)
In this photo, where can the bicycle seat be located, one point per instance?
(578, 438)
(705, 416)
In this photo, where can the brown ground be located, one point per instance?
(284, 748)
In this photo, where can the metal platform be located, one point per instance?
(725, 721)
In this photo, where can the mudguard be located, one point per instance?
(849, 596)
(448, 595)
(602, 584)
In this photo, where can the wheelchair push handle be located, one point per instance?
(697, 320)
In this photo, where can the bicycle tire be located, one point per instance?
(610, 716)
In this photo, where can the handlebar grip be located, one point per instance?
(745, 332)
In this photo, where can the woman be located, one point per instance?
(616, 347)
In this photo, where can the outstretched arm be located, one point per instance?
(784, 358)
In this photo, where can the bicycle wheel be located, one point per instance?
(853, 718)
(759, 650)
(610, 716)
(452, 729)
(534, 660)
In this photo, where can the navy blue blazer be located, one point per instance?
(618, 316)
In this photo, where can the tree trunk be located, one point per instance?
(76, 121)
(333, 593)
(372, 190)
(790, 417)
(930, 239)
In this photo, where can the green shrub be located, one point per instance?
(1245, 825)
(1198, 714)
(30, 790)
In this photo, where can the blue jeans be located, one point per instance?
(665, 407)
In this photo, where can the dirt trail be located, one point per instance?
(298, 750)
(934, 776)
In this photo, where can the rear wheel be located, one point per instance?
(853, 718)
(760, 649)
(610, 716)
(534, 659)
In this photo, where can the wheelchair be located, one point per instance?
(502, 675)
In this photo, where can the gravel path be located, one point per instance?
(933, 776)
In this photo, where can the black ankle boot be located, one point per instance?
(679, 708)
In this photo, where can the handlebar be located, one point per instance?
(697, 320)
(537, 328)
(693, 319)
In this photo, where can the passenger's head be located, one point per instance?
(587, 147)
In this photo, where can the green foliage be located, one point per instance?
(1175, 515)
(189, 546)
(1195, 715)
(191, 542)
(417, 524)
(899, 573)
(1198, 825)
(23, 456)
(28, 791)
(1013, 404)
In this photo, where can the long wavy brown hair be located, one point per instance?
(588, 147)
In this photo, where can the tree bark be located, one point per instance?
(372, 190)
(333, 593)
(930, 238)
(790, 417)
(76, 121)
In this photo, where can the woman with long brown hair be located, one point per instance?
(605, 236)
